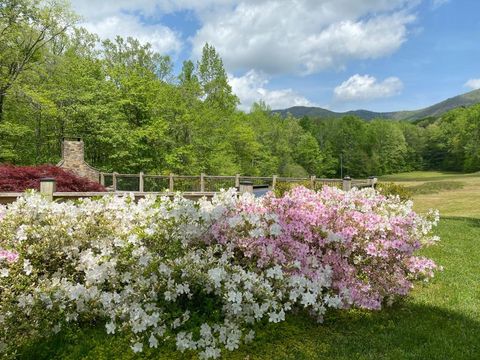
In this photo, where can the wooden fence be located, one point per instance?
(191, 187)
(211, 183)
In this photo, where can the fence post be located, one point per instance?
(140, 182)
(170, 182)
(102, 179)
(202, 182)
(237, 181)
(114, 181)
(347, 183)
(274, 181)
(246, 187)
(48, 187)
(312, 181)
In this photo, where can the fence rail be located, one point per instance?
(191, 187)
(212, 183)
(10, 197)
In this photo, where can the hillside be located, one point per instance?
(467, 99)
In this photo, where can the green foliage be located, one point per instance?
(29, 33)
(135, 114)
(12, 134)
(281, 187)
(380, 147)
(214, 81)
(390, 188)
(456, 140)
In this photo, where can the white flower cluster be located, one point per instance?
(143, 269)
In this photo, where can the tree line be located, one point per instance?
(449, 143)
(135, 114)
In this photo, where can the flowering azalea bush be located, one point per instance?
(366, 239)
(202, 273)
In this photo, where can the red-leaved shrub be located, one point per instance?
(21, 178)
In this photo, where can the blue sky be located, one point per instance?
(380, 55)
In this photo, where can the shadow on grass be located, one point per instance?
(405, 331)
(408, 331)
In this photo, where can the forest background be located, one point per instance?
(135, 114)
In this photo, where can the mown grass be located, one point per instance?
(433, 187)
(442, 195)
(440, 320)
(428, 176)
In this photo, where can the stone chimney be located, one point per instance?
(73, 159)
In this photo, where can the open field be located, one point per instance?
(439, 320)
(419, 176)
(464, 201)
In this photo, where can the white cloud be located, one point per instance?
(162, 38)
(305, 36)
(473, 84)
(96, 10)
(137, 19)
(99, 9)
(271, 36)
(366, 87)
(251, 88)
(437, 3)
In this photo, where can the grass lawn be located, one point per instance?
(439, 320)
(419, 176)
(452, 193)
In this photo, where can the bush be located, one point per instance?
(202, 273)
(282, 187)
(21, 178)
(393, 189)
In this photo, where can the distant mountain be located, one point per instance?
(467, 99)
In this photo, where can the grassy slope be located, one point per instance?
(438, 321)
(458, 202)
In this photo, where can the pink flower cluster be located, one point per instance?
(9, 256)
(367, 240)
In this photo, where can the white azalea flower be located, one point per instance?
(27, 267)
(152, 341)
(137, 347)
(110, 327)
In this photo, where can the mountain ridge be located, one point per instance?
(467, 99)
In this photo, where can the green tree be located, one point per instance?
(136, 115)
(214, 81)
(386, 146)
(27, 28)
(415, 137)
(188, 81)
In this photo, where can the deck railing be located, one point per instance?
(192, 187)
(213, 183)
